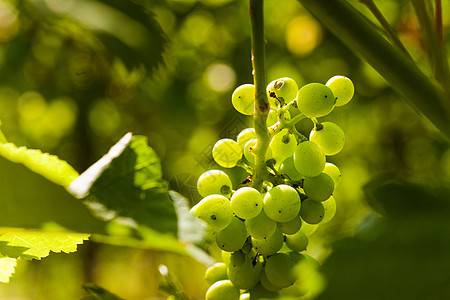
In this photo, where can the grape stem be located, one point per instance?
(262, 106)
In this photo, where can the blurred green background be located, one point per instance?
(76, 75)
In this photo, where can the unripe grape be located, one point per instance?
(287, 167)
(280, 270)
(285, 88)
(243, 99)
(249, 154)
(283, 145)
(308, 229)
(215, 210)
(272, 117)
(334, 173)
(259, 292)
(227, 153)
(244, 136)
(315, 100)
(216, 272)
(261, 226)
(246, 275)
(233, 237)
(214, 182)
(318, 188)
(309, 159)
(290, 227)
(270, 245)
(282, 203)
(330, 138)
(247, 203)
(297, 257)
(312, 212)
(222, 290)
(266, 283)
(297, 242)
(330, 209)
(237, 258)
(342, 88)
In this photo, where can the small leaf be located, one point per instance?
(7, 268)
(35, 244)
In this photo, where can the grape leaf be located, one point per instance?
(127, 182)
(49, 166)
(32, 244)
(7, 268)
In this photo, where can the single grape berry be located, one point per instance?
(266, 283)
(330, 209)
(312, 212)
(243, 99)
(330, 138)
(285, 88)
(246, 275)
(237, 258)
(269, 245)
(290, 227)
(215, 210)
(282, 203)
(280, 270)
(232, 237)
(261, 226)
(318, 188)
(287, 167)
(334, 172)
(315, 100)
(226, 153)
(342, 88)
(216, 272)
(223, 290)
(244, 136)
(283, 145)
(214, 182)
(309, 159)
(297, 242)
(246, 203)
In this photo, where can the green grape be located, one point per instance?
(342, 88)
(227, 153)
(309, 159)
(215, 210)
(223, 290)
(280, 270)
(243, 99)
(272, 117)
(297, 242)
(233, 237)
(237, 258)
(315, 100)
(259, 292)
(330, 209)
(245, 296)
(285, 88)
(312, 212)
(318, 188)
(216, 272)
(269, 245)
(297, 257)
(261, 226)
(266, 283)
(246, 275)
(282, 203)
(248, 152)
(290, 227)
(287, 167)
(214, 182)
(330, 138)
(334, 172)
(246, 203)
(283, 145)
(226, 257)
(247, 248)
(244, 136)
(308, 229)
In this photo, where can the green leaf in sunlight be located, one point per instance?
(127, 182)
(403, 255)
(49, 166)
(7, 268)
(35, 244)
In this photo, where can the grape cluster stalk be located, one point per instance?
(263, 231)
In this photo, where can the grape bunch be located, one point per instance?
(262, 232)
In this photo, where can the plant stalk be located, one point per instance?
(262, 106)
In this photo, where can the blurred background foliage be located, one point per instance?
(75, 75)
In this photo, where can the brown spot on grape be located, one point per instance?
(213, 217)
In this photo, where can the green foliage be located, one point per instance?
(7, 268)
(98, 293)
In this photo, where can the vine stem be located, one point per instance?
(262, 106)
